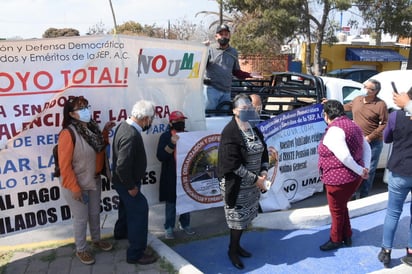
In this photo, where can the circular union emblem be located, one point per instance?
(290, 186)
(199, 178)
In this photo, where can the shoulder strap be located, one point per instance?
(72, 134)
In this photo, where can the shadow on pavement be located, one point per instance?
(297, 251)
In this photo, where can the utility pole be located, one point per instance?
(220, 11)
(114, 17)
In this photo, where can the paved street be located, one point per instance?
(281, 242)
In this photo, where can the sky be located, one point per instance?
(31, 18)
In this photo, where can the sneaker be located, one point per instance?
(169, 233)
(85, 257)
(385, 256)
(188, 230)
(103, 245)
(407, 259)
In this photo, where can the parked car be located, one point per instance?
(343, 90)
(403, 82)
(356, 74)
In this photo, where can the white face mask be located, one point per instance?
(84, 115)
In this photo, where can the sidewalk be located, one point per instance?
(288, 228)
(295, 249)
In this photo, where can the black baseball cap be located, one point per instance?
(222, 27)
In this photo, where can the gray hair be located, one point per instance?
(376, 83)
(143, 109)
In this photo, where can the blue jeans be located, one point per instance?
(133, 215)
(398, 189)
(170, 211)
(215, 96)
(366, 186)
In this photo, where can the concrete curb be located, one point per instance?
(179, 263)
(318, 216)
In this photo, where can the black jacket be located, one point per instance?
(167, 185)
(129, 157)
(232, 153)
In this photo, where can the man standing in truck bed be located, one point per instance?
(222, 65)
(371, 115)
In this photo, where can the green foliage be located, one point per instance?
(393, 17)
(130, 28)
(53, 32)
(266, 25)
(263, 25)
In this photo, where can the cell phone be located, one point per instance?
(394, 87)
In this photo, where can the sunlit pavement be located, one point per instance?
(297, 251)
(281, 242)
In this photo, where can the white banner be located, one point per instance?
(112, 72)
(197, 184)
(292, 138)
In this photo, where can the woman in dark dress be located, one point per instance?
(242, 170)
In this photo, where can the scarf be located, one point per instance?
(91, 133)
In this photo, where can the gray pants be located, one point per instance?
(84, 213)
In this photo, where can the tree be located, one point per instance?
(394, 17)
(386, 16)
(181, 30)
(273, 22)
(153, 31)
(130, 28)
(97, 29)
(135, 28)
(53, 32)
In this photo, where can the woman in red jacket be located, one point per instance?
(344, 159)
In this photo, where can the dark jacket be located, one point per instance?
(129, 157)
(167, 185)
(399, 132)
(231, 154)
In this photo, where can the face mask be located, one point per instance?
(146, 127)
(246, 115)
(363, 91)
(179, 126)
(256, 120)
(84, 115)
(223, 41)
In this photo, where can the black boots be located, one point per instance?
(385, 257)
(235, 250)
(234, 258)
(243, 253)
(234, 254)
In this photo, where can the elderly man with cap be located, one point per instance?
(167, 192)
(222, 65)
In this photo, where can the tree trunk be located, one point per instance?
(320, 36)
(409, 65)
(308, 55)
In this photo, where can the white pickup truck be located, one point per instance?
(286, 91)
(290, 90)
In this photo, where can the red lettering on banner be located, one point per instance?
(95, 75)
(42, 80)
(3, 111)
(162, 112)
(163, 63)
